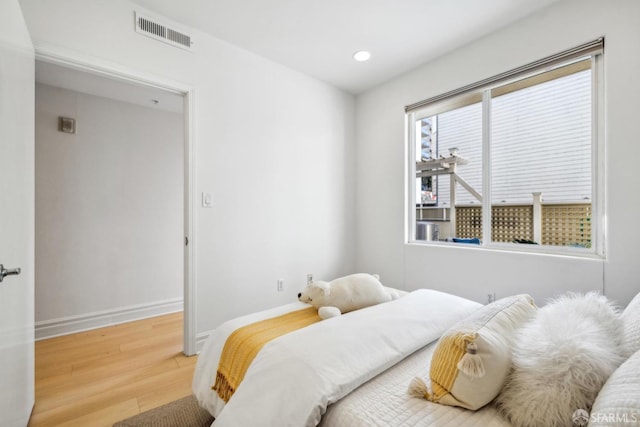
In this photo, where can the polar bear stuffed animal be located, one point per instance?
(345, 294)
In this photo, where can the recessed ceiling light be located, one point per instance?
(361, 55)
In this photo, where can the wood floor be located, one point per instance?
(98, 377)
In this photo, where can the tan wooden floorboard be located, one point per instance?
(99, 377)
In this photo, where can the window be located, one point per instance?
(512, 160)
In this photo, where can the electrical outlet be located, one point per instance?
(491, 298)
(280, 285)
(309, 278)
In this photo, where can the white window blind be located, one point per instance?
(593, 47)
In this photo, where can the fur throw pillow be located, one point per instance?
(561, 359)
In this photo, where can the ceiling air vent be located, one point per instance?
(150, 27)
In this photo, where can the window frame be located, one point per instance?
(483, 90)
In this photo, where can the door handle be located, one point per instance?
(8, 272)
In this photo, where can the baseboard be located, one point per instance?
(99, 319)
(200, 339)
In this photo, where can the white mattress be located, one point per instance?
(384, 401)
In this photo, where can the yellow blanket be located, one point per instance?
(244, 343)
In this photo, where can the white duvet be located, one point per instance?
(295, 377)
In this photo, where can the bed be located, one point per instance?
(380, 349)
(355, 370)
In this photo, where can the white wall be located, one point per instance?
(274, 147)
(474, 272)
(109, 202)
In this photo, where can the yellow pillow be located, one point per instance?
(472, 359)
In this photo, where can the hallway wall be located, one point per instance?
(109, 208)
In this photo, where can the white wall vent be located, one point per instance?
(151, 27)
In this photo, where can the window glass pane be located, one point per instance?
(541, 143)
(461, 129)
(454, 133)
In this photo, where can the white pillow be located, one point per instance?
(631, 327)
(618, 403)
(472, 359)
(561, 359)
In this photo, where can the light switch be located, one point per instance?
(207, 200)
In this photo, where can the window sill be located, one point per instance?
(559, 251)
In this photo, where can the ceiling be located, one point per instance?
(319, 37)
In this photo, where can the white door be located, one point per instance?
(16, 216)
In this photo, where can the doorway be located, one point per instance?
(127, 198)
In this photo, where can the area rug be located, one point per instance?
(184, 412)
